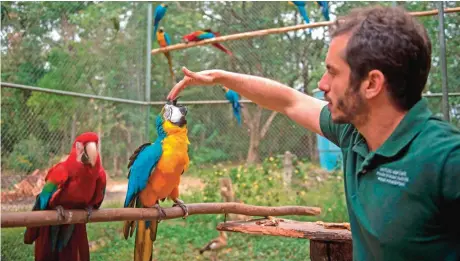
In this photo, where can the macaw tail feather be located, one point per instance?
(237, 112)
(155, 28)
(325, 11)
(58, 243)
(238, 118)
(168, 56)
(129, 225)
(303, 12)
(146, 232)
(222, 48)
(143, 248)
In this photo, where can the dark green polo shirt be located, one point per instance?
(404, 198)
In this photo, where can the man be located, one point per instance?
(401, 164)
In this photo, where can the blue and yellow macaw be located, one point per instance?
(155, 171)
(301, 7)
(160, 12)
(164, 40)
(234, 98)
(324, 9)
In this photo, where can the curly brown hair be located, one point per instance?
(390, 40)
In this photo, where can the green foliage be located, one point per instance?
(208, 155)
(263, 185)
(75, 46)
(27, 155)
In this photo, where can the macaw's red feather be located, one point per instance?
(71, 185)
(195, 37)
(76, 249)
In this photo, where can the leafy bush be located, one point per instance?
(263, 185)
(28, 155)
(208, 155)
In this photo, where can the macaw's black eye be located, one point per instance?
(183, 110)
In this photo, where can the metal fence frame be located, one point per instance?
(444, 94)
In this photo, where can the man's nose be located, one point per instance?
(323, 84)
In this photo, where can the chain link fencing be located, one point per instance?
(99, 48)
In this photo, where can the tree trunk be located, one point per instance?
(253, 152)
(256, 134)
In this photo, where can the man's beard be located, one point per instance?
(352, 106)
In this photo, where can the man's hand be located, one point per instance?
(208, 77)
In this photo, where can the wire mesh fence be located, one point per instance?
(100, 48)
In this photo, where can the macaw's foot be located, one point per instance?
(161, 212)
(60, 213)
(90, 212)
(181, 204)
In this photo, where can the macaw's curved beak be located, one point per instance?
(90, 154)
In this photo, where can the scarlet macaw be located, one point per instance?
(77, 183)
(205, 34)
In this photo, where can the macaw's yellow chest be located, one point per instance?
(173, 162)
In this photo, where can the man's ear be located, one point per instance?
(373, 84)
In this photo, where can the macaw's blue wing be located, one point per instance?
(142, 163)
(167, 39)
(206, 35)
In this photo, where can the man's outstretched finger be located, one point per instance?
(175, 90)
(196, 76)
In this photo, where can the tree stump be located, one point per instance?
(331, 250)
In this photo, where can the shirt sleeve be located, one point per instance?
(451, 190)
(339, 134)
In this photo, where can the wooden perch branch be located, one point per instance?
(288, 228)
(49, 217)
(247, 35)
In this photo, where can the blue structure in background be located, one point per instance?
(330, 155)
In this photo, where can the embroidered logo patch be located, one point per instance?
(392, 176)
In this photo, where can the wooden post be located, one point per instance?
(288, 168)
(228, 195)
(226, 190)
(331, 250)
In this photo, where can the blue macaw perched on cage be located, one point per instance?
(234, 98)
(160, 12)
